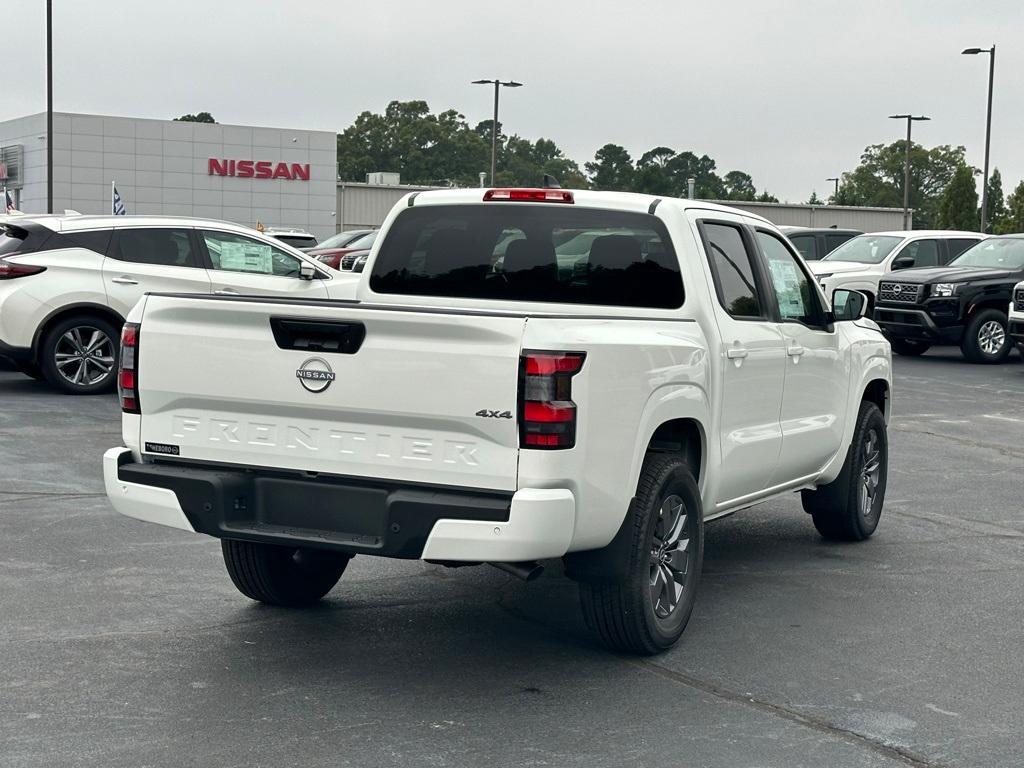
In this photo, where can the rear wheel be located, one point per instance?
(79, 355)
(849, 508)
(987, 338)
(285, 576)
(647, 610)
(909, 348)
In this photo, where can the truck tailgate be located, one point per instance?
(287, 385)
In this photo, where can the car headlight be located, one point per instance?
(944, 289)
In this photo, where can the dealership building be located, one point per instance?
(274, 176)
(245, 174)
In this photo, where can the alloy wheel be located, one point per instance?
(991, 337)
(84, 356)
(670, 556)
(871, 473)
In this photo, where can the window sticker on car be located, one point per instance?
(787, 287)
(246, 257)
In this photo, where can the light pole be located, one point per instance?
(494, 126)
(988, 125)
(836, 180)
(906, 166)
(49, 106)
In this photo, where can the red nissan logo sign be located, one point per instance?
(258, 169)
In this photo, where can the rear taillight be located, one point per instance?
(529, 195)
(128, 372)
(547, 414)
(12, 269)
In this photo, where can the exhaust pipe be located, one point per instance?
(527, 571)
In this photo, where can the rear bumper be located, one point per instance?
(350, 515)
(917, 324)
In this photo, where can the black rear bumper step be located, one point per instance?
(353, 516)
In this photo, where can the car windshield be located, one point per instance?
(865, 249)
(342, 239)
(994, 253)
(366, 241)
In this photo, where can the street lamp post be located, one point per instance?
(988, 125)
(494, 126)
(836, 180)
(906, 166)
(49, 106)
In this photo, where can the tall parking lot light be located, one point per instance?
(906, 166)
(988, 125)
(836, 180)
(494, 126)
(49, 106)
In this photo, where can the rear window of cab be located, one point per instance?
(553, 253)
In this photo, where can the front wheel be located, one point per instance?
(987, 338)
(285, 576)
(909, 348)
(849, 508)
(646, 611)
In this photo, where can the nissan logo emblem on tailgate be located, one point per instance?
(315, 374)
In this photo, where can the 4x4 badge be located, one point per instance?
(315, 375)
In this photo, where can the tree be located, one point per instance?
(652, 174)
(612, 169)
(1014, 219)
(958, 207)
(766, 197)
(878, 180)
(739, 186)
(198, 117)
(996, 204)
(814, 199)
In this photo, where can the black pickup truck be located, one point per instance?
(964, 303)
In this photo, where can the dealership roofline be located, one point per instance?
(168, 120)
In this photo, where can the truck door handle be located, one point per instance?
(226, 292)
(795, 350)
(736, 353)
(124, 280)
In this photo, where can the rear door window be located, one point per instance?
(732, 266)
(804, 244)
(167, 247)
(537, 253)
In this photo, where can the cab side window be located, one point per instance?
(794, 291)
(925, 253)
(166, 247)
(230, 252)
(732, 267)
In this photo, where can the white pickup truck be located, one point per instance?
(526, 374)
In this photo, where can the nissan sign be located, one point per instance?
(258, 169)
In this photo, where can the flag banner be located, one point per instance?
(118, 205)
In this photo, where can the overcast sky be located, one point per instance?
(790, 92)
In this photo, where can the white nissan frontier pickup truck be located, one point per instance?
(525, 374)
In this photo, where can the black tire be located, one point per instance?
(625, 614)
(30, 369)
(984, 329)
(909, 348)
(839, 509)
(285, 576)
(60, 370)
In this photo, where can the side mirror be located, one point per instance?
(903, 262)
(848, 305)
(306, 271)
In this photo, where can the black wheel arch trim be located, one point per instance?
(67, 309)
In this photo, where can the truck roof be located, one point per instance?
(624, 201)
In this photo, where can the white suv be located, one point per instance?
(68, 282)
(859, 263)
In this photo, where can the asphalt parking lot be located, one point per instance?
(125, 644)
